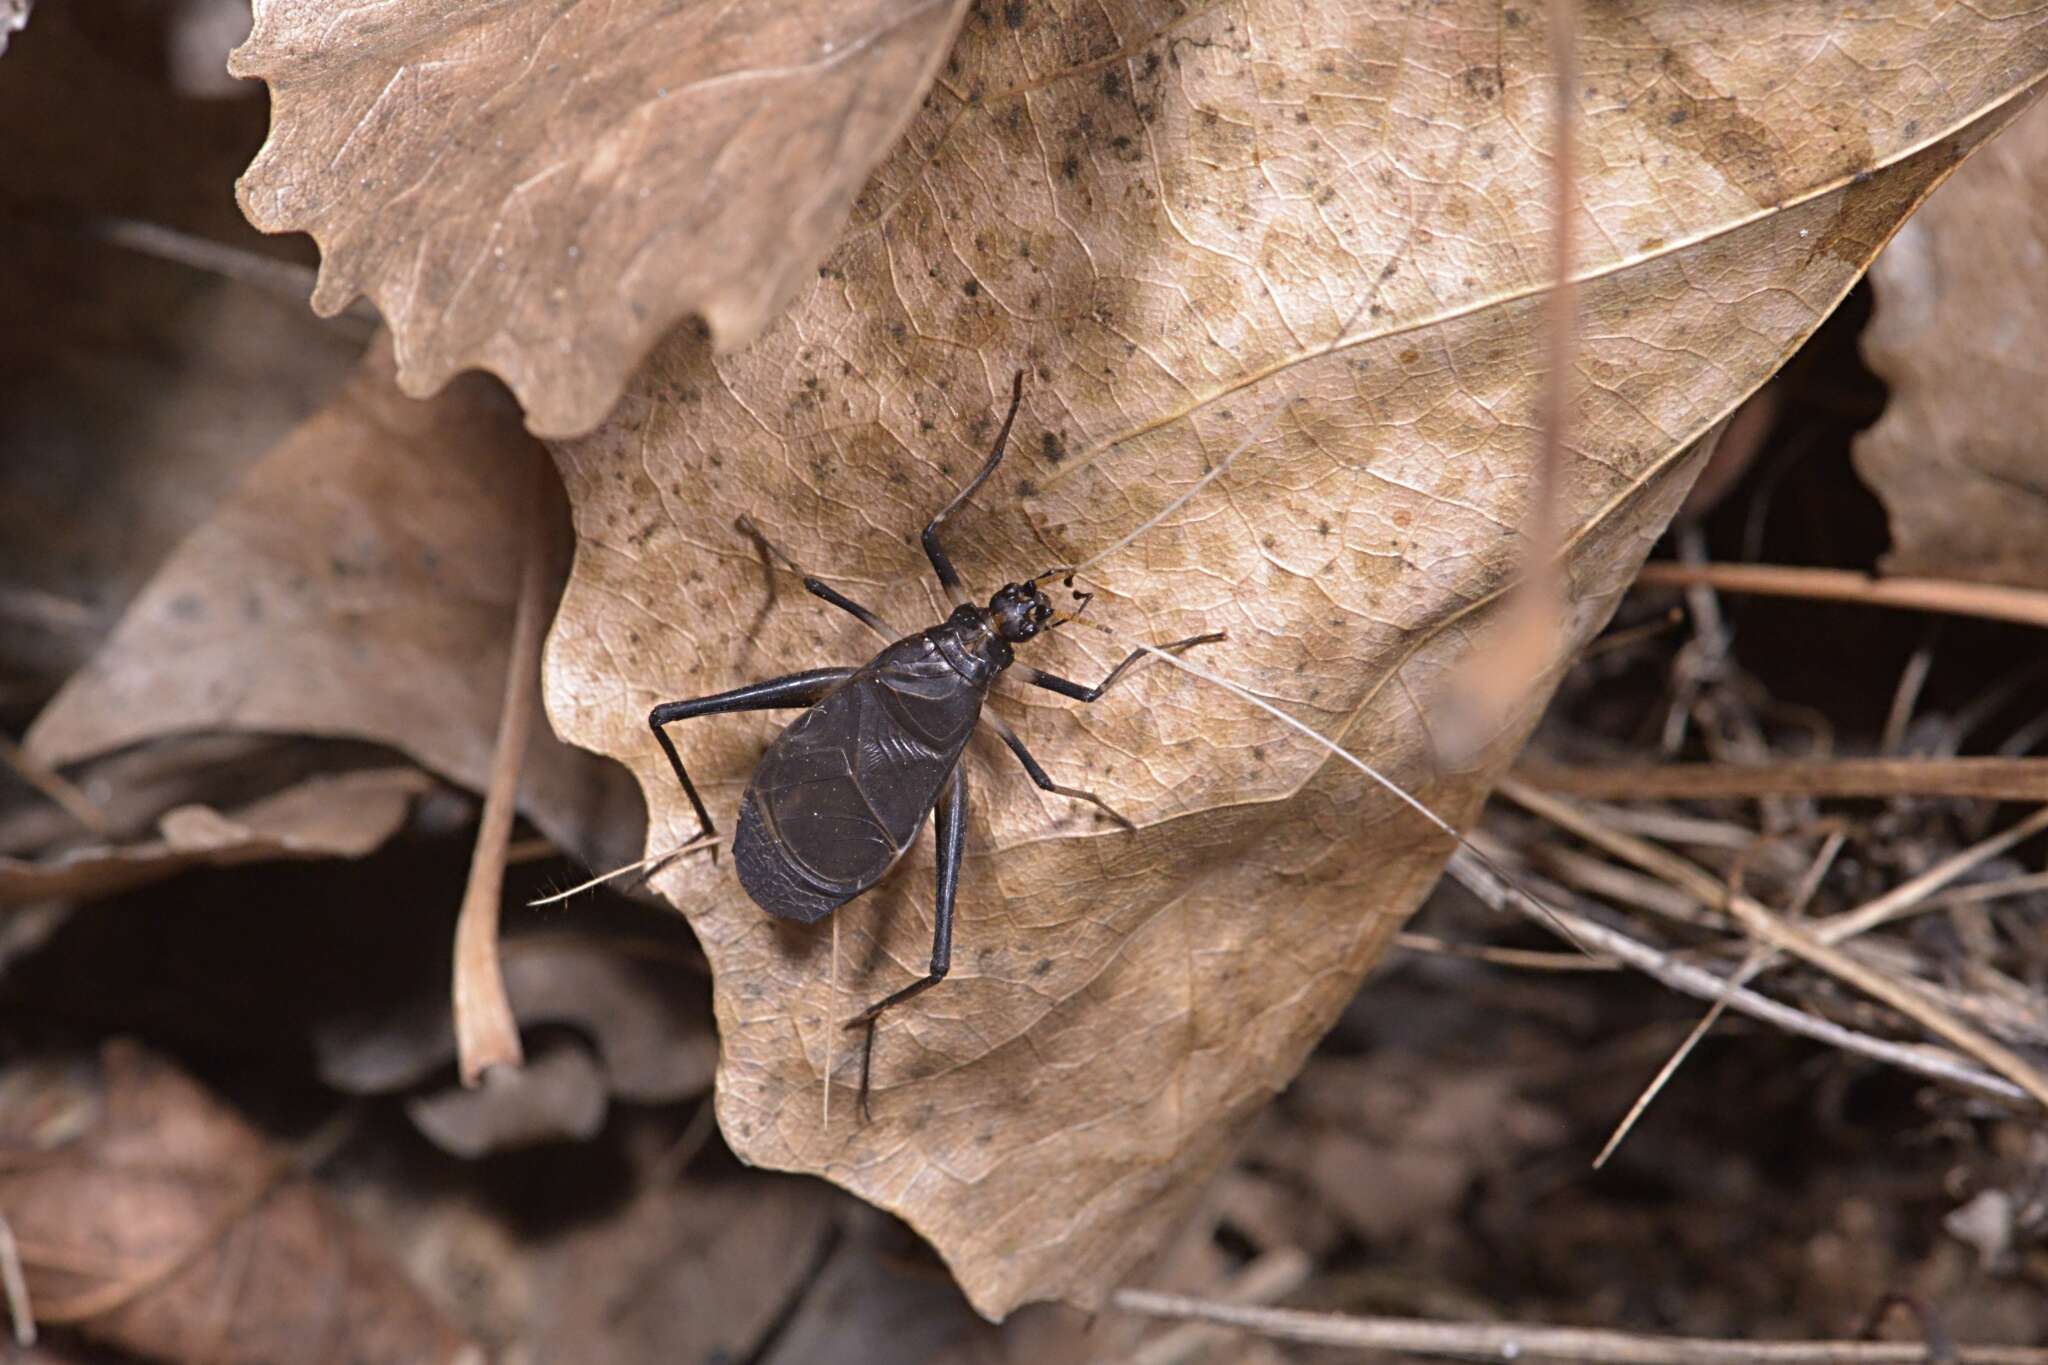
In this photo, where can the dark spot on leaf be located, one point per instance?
(972, 289)
(1054, 447)
(1481, 82)
(1013, 14)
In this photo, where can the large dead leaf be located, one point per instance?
(152, 1218)
(1166, 216)
(1962, 306)
(543, 192)
(359, 583)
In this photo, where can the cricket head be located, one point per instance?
(1019, 611)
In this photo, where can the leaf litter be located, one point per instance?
(359, 582)
(156, 1220)
(1492, 1227)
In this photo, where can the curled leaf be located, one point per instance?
(544, 192)
(644, 1016)
(557, 1095)
(358, 583)
(343, 816)
(1317, 232)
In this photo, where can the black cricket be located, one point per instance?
(838, 797)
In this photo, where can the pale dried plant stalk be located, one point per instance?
(486, 1033)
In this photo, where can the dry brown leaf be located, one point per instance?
(867, 1306)
(644, 1014)
(1166, 216)
(133, 391)
(344, 816)
(556, 1095)
(358, 583)
(1394, 1150)
(689, 1270)
(155, 1220)
(132, 789)
(690, 1267)
(544, 192)
(1962, 307)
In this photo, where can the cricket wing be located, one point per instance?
(839, 795)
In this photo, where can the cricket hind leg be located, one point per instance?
(949, 821)
(795, 689)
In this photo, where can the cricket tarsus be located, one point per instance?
(841, 793)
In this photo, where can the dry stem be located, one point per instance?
(54, 785)
(2025, 606)
(1992, 779)
(1523, 1341)
(1935, 1063)
(1770, 929)
(19, 1310)
(1272, 1276)
(486, 1034)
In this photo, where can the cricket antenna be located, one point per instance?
(1081, 598)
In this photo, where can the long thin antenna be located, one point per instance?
(1396, 788)
(650, 866)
